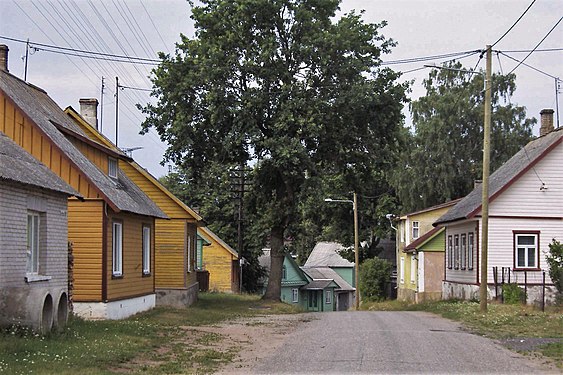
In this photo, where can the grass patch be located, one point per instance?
(150, 342)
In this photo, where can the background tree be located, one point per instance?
(446, 153)
(287, 86)
(375, 274)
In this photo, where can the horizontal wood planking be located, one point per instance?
(218, 261)
(170, 253)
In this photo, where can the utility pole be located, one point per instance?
(26, 57)
(116, 109)
(356, 252)
(557, 88)
(102, 104)
(483, 289)
(238, 187)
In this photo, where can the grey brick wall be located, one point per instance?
(15, 201)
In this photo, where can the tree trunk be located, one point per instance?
(273, 290)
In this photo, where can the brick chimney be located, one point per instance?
(4, 57)
(89, 110)
(546, 121)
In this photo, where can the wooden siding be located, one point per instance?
(170, 253)
(133, 282)
(96, 156)
(218, 261)
(85, 232)
(466, 275)
(162, 200)
(25, 133)
(524, 197)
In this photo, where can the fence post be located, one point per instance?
(543, 292)
(495, 278)
(502, 286)
(525, 287)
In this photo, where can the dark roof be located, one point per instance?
(318, 285)
(325, 254)
(18, 165)
(320, 274)
(121, 194)
(423, 239)
(503, 177)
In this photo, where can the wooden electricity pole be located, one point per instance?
(483, 289)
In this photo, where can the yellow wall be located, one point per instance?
(218, 261)
(133, 282)
(85, 232)
(170, 253)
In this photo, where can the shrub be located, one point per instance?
(512, 294)
(555, 262)
(374, 274)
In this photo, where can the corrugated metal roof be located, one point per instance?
(504, 176)
(18, 165)
(122, 193)
(325, 254)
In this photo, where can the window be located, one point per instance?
(450, 251)
(415, 230)
(146, 250)
(117, 248)
(32, 264)
(402, 273)
(328, 296)
(112, 167)
(295, 298)
(456, 251)
(463, 254)
(470, 247)
(526, 250)
(189, 253)
(413, 269)
(402, 230)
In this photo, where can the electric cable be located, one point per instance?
(514, 24)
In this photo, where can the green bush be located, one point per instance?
(512, 294)
(555, 262)
(374, 274)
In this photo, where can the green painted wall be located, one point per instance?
(347, 273)
(438, 243)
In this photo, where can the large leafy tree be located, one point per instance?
(445, 156)
(283, 85)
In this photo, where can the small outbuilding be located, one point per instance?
(33, 241)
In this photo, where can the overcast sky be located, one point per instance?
(143, 27)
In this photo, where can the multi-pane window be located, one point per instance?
(117, 248)
(450, 251)
(526, 250)
(32, 264)
(112, 167)
(470, 248)
(295, 298)
(146, 250)
(456, 251)
(328, 296)
(463, 253)
(415, 229)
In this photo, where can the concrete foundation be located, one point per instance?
(534, 293)
(177, 297)
(116, 309)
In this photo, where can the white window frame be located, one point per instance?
(117, 248)
(146, 250)
(402, 270)
(450, 252)
(456, 251)
(527, 249)
(402, 224)
(413, 269)
(112, 167)
(295, 297)
(33, 242)
(415, 230)
(189, 253)
(470, 249)
(463, 253)
(328, 297)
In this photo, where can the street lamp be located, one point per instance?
(356, 243)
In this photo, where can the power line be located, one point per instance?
(156, 28)
(537, 45)
(527, 65)
(514, 24)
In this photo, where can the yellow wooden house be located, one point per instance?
(176, 237)
(221, 261)
(112, 230)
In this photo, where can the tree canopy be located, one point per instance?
(445, 156)
(289, 87)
